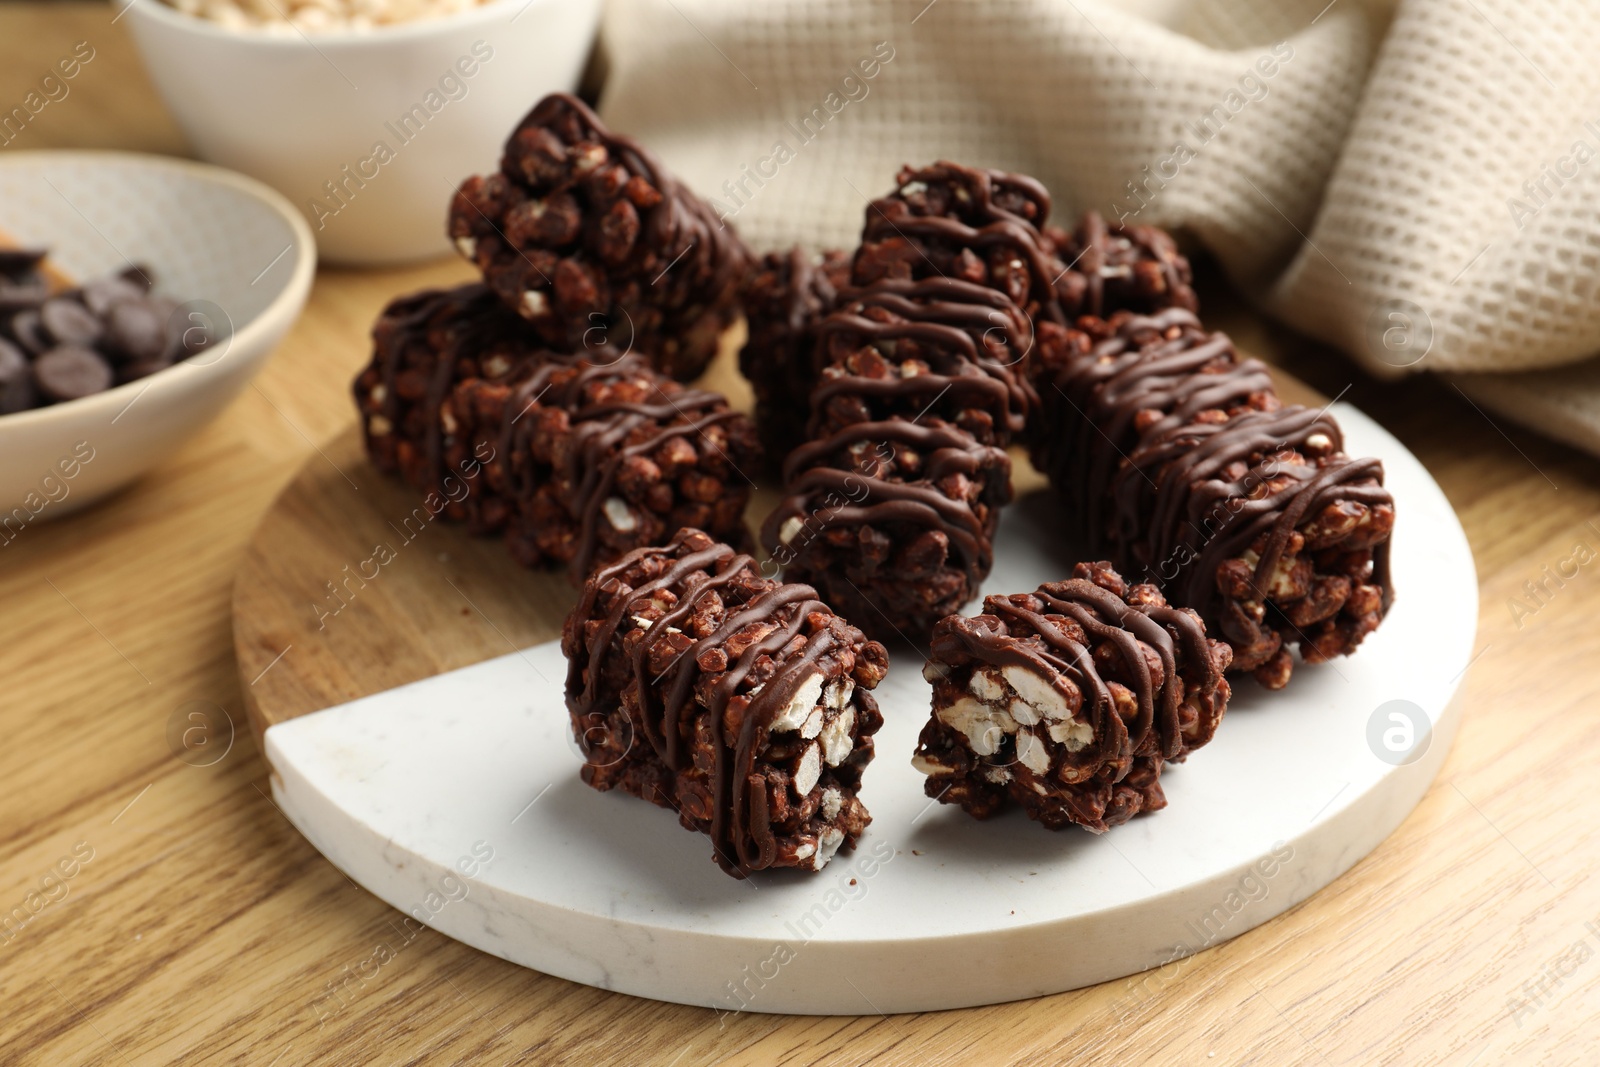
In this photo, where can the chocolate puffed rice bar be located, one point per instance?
(738, 701)
(1067, 702)
(583, 233)
(596, 457)
(1183, 466)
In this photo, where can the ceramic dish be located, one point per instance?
(238, 255)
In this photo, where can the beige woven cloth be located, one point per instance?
(1418, 184)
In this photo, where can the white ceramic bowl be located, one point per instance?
(296, 111)
(235, 251)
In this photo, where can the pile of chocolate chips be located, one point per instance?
(67, 345)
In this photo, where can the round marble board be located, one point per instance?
(445, 781)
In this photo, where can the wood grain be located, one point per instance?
(205, 929)
(311, 632)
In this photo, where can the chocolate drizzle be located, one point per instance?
(423, 345)
(901, 538)
(1178, 638)
(1151, 524)
(958, 281)
(941, 219)
(798, 632)
(927, 493)
(1150, 364)
(877, 500)
(811, 287)
(992, 227)
(973, 339)
(1084, 640)
(602, 433)
(1119, 268)
(1178, 458)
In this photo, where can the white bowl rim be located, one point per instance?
(244, 337)
(376, 36)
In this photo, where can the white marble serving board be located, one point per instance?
(475, 771)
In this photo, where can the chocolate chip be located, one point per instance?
(16, 379)
(136, 330)
(69, 372)
(138, 275)
(28, 329)
(20, 260)
(20, 293)
(111, 330)
(102, 294)
(69, 322)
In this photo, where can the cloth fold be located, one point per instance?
(1415, 185)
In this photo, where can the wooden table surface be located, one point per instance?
(198, 926)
